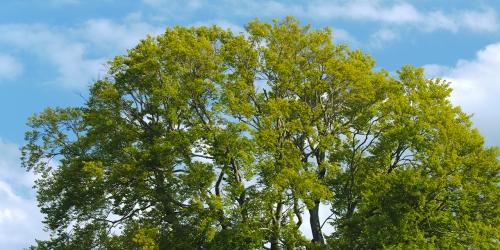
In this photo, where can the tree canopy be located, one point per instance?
(204, 139)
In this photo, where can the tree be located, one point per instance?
(202, 139)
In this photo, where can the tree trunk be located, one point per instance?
(316, 226)
(275, 237)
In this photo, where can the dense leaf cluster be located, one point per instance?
(202, 139)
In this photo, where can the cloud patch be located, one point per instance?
(476, 88)
(10, 67)
(69, 50)
(403, 13)
(381, 37)
(400, 12)
(480, 21)
(20, 219)
(56, 48)
(107, 35)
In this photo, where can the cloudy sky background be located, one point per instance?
(52, 49)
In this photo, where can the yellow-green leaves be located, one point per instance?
(203, 139)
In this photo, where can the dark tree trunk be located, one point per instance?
(316, 226)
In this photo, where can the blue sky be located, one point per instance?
(52, 49)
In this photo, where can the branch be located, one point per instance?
(203, 156)
(217, 184)
(296, 211)
(329, 217)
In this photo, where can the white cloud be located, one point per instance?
(105, 34)
(69, 50)
(11, 215)
(20, 219)
(20, 223)
(476, 88)
(475, 80)
(10, 68)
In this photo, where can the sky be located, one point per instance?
(52, 50)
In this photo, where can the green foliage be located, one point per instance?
(203, 139)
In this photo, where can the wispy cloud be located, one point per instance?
(438, 20)
(400, 12)
(112, 37)
(70, 49)
(133, 17)
(343, 36)
(381, 37)
(403, 13)
(390, 12)
(480, 21)
(10, 67)
(56, 48)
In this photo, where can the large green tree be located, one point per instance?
(203, 139)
